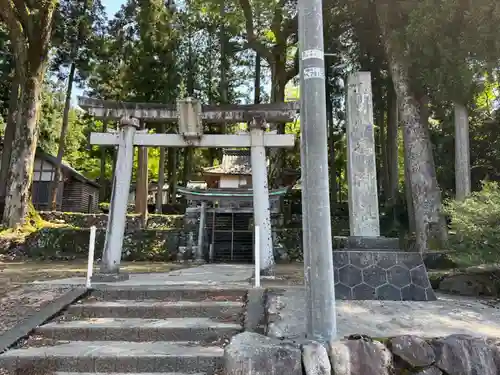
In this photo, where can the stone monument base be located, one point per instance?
(376, 269)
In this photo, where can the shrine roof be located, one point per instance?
(234, 162)
(227, 194)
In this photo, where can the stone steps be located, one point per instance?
(117, 356)
(136, 329)
(122, 373)
(166, 293)
(144, 330)
(153, 309)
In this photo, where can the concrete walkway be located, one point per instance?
(209, 274)
(448, 315)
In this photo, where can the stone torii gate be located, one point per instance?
(189, 114)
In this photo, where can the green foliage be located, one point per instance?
(49, 125)
(474, 223)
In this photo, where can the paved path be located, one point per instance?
(448, 315)
(209, 274)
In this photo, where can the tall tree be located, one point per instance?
(425, 192)
(74, 49)
(30, 29)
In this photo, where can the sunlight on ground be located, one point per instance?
(13, 274)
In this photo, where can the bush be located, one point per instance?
(475, 224)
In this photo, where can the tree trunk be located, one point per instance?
(62, 138)
(392, 145)
(426, 195)
(223, 84)
(425, 192)
(102, 176)
(277, 156)
(172, 183)
(141, 189)
(23, 153)
(331, 145)
(161, 176)
(186, 172)
(380, 107)
(13, 120)
(462, 153)
(408, 194)
(256, 85)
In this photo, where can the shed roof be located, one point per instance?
(66, 168)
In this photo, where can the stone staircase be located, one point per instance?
(149, 330)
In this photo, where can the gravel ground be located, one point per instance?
(20, 299)
(22, 302)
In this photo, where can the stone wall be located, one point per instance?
(79, 220)
(251, 353)
(70, 243)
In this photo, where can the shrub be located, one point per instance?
(475, 224)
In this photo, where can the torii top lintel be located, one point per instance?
(155, 112)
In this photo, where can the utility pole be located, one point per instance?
(317, 231)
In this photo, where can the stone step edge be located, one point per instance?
(170, 288)
(230, 310)
(137, 323)
(116, 356)
(126, 373)
(158, 304)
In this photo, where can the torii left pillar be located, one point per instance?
(115, 231)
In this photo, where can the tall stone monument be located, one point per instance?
(368, 266)
(361, 166)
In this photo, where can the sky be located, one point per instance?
(112, 6)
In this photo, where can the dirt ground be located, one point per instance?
(19, 299)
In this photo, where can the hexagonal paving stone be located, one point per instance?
(361, 259)
(363, 292)
(410, 260)
(385, 259)
(335, 275)
(388, 292)
(374, 276)
(399, 276)
(413, 293)
(419, 276)
(343, 292)
(350, 275)
(340, 258)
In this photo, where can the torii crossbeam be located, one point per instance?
(191, 134)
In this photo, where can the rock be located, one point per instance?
(439, 261)
(255, 310)
(413, 350)
(315, 359)
(354, 357)
(465, 355)
(469, 284)
(429, 371)
(254, 354)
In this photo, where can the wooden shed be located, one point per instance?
(77, 193)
